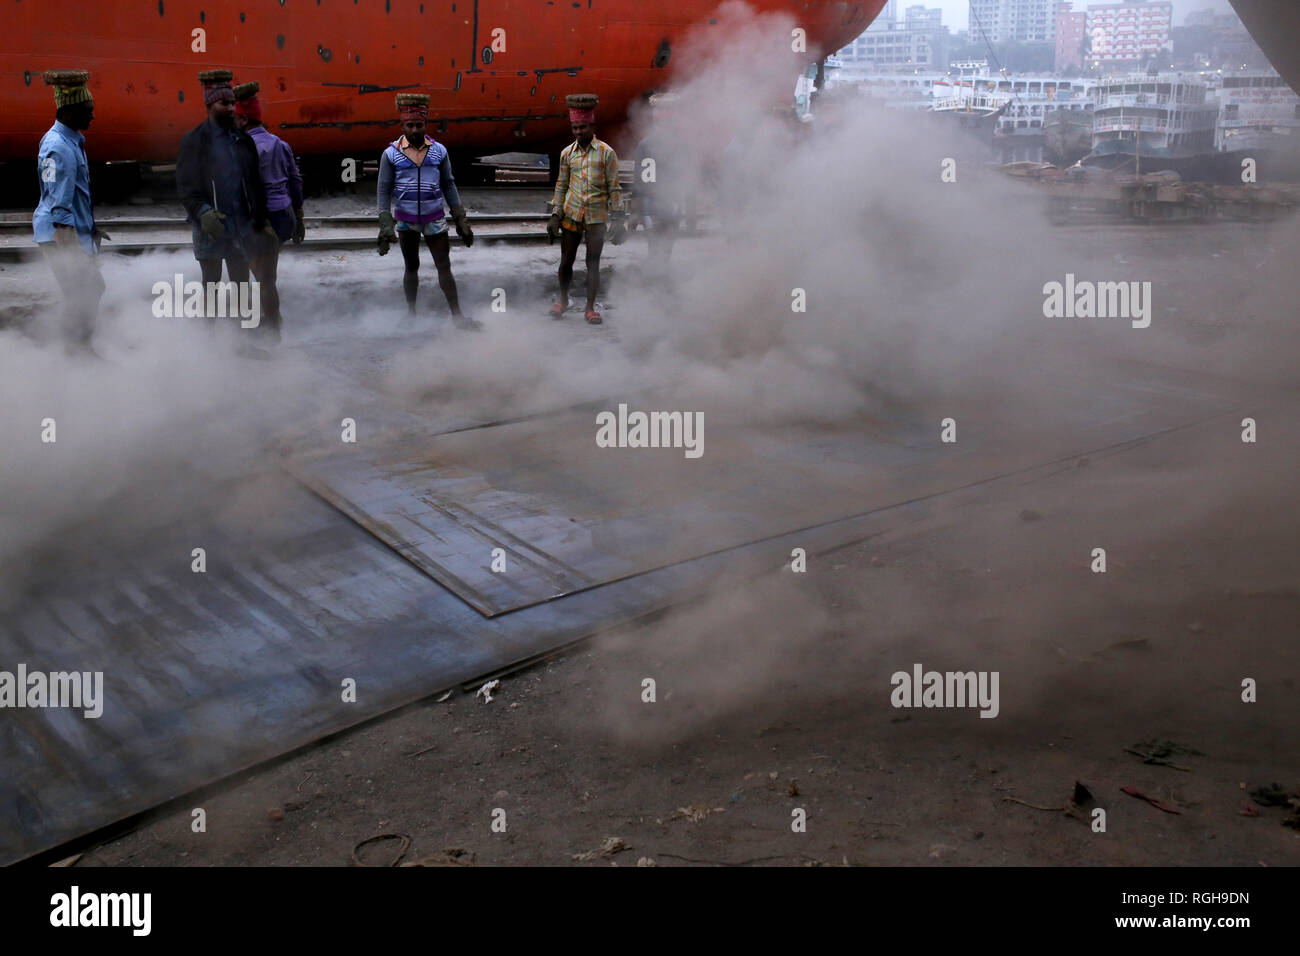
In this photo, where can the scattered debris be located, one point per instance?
(404, 843)
(940, 850)
(1034, 806)
(310, 774)
(611, 846)
(696, 812)
(486, 691)
(1155, 752)
(1135, 792)
(275, 814)
(808, 860)
(1081, 799)
(646, 861)
(793, 789)
(453, 856)
(1081, 803)
(445, 696)
(1273, 796)
(425, 750)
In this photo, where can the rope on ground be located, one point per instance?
(401, 850)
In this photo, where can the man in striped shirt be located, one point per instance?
(586, 201)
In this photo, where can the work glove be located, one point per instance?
(213, 224)
(387, 232)
(553, 227)
(299, 227)
(618, 228)
(462, 226)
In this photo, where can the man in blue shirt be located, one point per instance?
(64, 221)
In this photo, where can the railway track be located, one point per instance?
(136, 236)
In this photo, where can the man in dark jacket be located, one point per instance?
(220, 185)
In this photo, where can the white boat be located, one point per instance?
(1144, 123)
(1259, 119)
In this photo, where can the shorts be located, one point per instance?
(435, 228)
(595, 229)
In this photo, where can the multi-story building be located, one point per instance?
(919, 42)
(1015, 21)
(1130, 34)
(1071, 38)
(919, 17)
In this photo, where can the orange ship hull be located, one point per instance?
(329, 68)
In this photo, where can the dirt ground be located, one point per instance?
(1200, 594)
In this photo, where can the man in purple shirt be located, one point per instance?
(283, 185)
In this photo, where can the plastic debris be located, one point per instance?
(1135, 792)
(486, 691)
(696, 812)
(611, 846)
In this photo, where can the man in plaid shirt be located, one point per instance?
(586, 200)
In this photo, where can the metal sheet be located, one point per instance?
(209, 674)
(568, 515)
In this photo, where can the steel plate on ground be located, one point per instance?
(560, 515)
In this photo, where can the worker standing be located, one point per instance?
(586, 202)
(282, 184)
(415, 178)
(219, 183)
(658, 184)
(64, 221)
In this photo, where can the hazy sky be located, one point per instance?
(955, 11)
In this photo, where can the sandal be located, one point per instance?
(557, 310)
(593, 317)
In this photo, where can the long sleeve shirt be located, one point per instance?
(280, 176)
(418, 188)
(64, 175)
(587, 188)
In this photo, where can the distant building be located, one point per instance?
(919, 17)
(1128, 35)
(1071, 38)
(1014, 21)
(1208, 18)
(919, 42)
